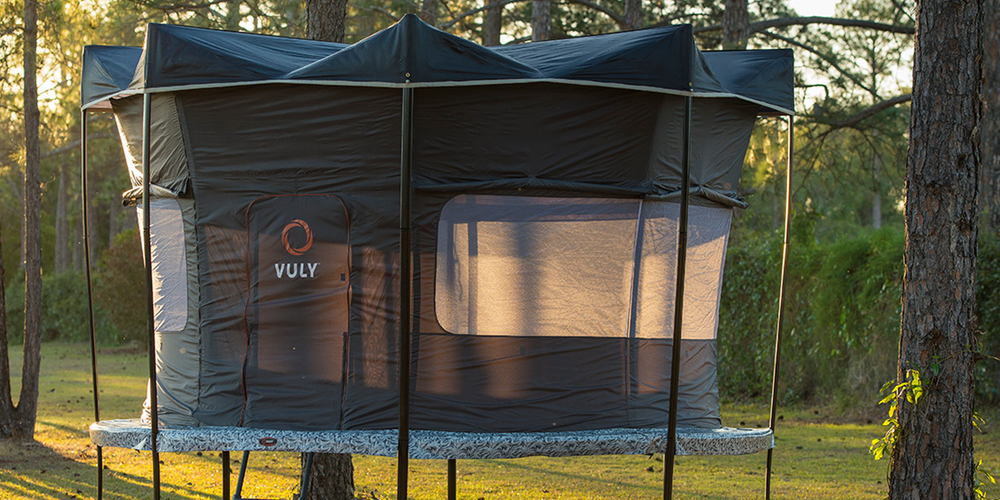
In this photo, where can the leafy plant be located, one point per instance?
(911, 388)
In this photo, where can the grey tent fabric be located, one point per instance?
(106, 72)
(288, 154)
(414, 53)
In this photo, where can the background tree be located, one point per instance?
(18, 421)
(933, 456)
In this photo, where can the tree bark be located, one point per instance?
(990, 129)
(22, 417)
(329, 480)
(326, 20)
(933, 456)
(62, 254)
(735, 25)
(428, 12)
(541, 20)
(6, 404)
(633, 14)
(493, 24)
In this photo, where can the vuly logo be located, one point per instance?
(293, 270)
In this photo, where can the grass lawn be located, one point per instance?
(818, 455)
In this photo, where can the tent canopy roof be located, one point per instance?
(412, 52)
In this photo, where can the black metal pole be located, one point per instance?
(225, 475)
(452, 479)
(781, 297)
(675, 357)
(90, 296)
(242, 475)
(403, 452)
(154, 423)
(306, 474)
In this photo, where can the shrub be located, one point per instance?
(64, 309)
(120, 287)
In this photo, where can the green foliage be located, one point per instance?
(911, 389)
(120, 287)
(64, 309)
(842, 313)
(988, 314)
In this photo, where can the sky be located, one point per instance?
(813, 7)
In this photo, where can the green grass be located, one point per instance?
(818, 455)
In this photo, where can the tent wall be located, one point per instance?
(176, 296)
(283, 140)
(258, 165)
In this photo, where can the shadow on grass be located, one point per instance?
(36, 471)
(592, 482)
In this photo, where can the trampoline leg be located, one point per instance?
(100, 473)
(452, 482)
(243, 473)
(225, 475)
(306, 473)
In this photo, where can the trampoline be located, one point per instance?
(419, 247)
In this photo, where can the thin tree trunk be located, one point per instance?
(428, 12)
(62, 224)
(493, 24)
(78, 244)
(541, 20)
(633, 14)
(6, 404)
(24, 425)
(933, 456)
(114, 226)
(735, 25)
(876, 194)
(990, 128)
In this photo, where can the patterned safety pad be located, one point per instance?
(434, 444)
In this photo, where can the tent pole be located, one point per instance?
(406, 159)
(154, 424)
(452, 479)
(675, 357)
(90, 296)
(781, 297)
(225, 475)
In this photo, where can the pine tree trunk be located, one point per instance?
(933, 457)
(633, 14)
(6, 404)
(332, 477)
(493, 24)
(541, 20)
(326, 19)
(428, 12)
(735, 25)
(990, 128)
(62, 224)
(24, 424)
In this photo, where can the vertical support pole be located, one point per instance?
(154, 427)
(225, 475)
(452, 479)
(243, 474)
(781, 297)
(306, 474)
(90, 296)
(675, 357)
(406, 159)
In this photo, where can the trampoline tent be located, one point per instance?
(418, 244)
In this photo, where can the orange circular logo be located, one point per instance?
(309, 237)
